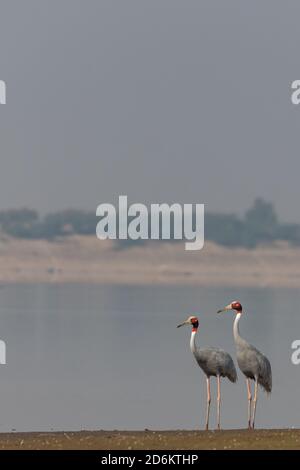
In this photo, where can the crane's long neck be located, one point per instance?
(236, 331)
(193, 341)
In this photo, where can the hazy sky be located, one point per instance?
(161, 100)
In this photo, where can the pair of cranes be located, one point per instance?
(218, 363)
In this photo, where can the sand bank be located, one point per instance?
(85, 259)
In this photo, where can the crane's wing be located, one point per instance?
(215, 361)
(254, 364)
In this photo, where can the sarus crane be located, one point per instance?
(254, 365)
(214, 362)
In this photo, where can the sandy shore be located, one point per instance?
(85, 259)
(169, 440)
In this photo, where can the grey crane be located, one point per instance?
(254, 365)
(214, 362)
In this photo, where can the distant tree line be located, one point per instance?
(26, 223)
(260, 224)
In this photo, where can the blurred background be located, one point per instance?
(163, 101)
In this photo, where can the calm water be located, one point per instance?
(96, 357)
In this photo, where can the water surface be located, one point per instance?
(111, 357)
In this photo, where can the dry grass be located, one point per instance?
(168, 440)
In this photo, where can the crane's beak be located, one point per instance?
(186, 322)
(225, 309)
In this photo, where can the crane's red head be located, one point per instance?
(191, 321)
(236, 306)
(195, 323)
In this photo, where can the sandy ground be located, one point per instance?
(168, 440)
(86, 259)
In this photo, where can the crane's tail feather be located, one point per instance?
(233, 376)
(266, 386)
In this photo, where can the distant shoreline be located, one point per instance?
(84, 259)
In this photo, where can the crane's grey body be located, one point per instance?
(216, 362)
(254, 364)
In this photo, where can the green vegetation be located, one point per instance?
(260, 224)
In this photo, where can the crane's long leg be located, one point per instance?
(208, 402)
(254, 401)
(219, 401)
(249, 402)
